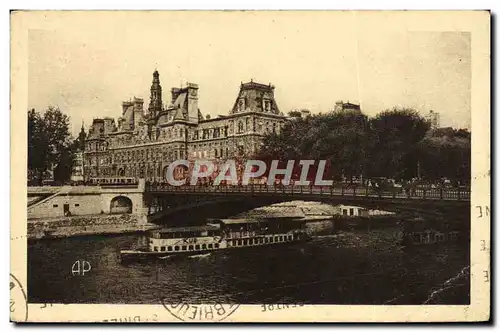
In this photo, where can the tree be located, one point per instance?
(396, 143)
(394, 135)
(64, 167)
(446, 152)
(49, 143)
(36, 146)
(339, 138)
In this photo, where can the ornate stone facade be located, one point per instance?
(142, 144)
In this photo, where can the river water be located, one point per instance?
(347, 267)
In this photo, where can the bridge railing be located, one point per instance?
(462, 193)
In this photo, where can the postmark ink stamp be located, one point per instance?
(200, 312)
(18, 306)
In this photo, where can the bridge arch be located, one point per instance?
(179, 200)
(120, 204)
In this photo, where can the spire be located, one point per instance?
(82, 136)
(155, 103)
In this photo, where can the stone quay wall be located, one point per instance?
(86, 225)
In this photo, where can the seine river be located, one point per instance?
(348, 267)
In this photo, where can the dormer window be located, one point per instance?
(240, 127)
(267, 105)
(241, 105)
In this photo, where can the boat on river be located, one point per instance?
(220, 234)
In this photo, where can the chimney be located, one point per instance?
(125, 105)
(175, 93)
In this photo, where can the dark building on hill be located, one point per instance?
(340, 106)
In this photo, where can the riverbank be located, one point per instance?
(62, 227)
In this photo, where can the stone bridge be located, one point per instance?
(187, 201)
(154, 202)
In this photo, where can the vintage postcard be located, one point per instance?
(250, 166)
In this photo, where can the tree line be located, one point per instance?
(51, 147)
(396, 144)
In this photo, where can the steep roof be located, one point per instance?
(181, 100)
(255, 97)
(179, 114)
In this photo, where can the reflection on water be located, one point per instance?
(357, 267)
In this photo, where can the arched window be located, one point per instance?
(240, 126)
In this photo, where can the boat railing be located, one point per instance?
(245, 234)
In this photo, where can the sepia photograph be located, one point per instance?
(199, 163)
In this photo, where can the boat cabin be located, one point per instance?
(187, 232)
(185, 239)
(237, 228)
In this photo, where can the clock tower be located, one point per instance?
(155, 103)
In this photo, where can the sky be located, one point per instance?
(88, 63)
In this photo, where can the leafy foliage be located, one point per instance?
(397, 143)
(446, 153)
(394, 137)
(49, 145)
(338, 138)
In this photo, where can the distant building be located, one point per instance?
(352, 211)
(434, 119)
(357, 211)
(340, 106)
(300, 113)
(77, 170)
